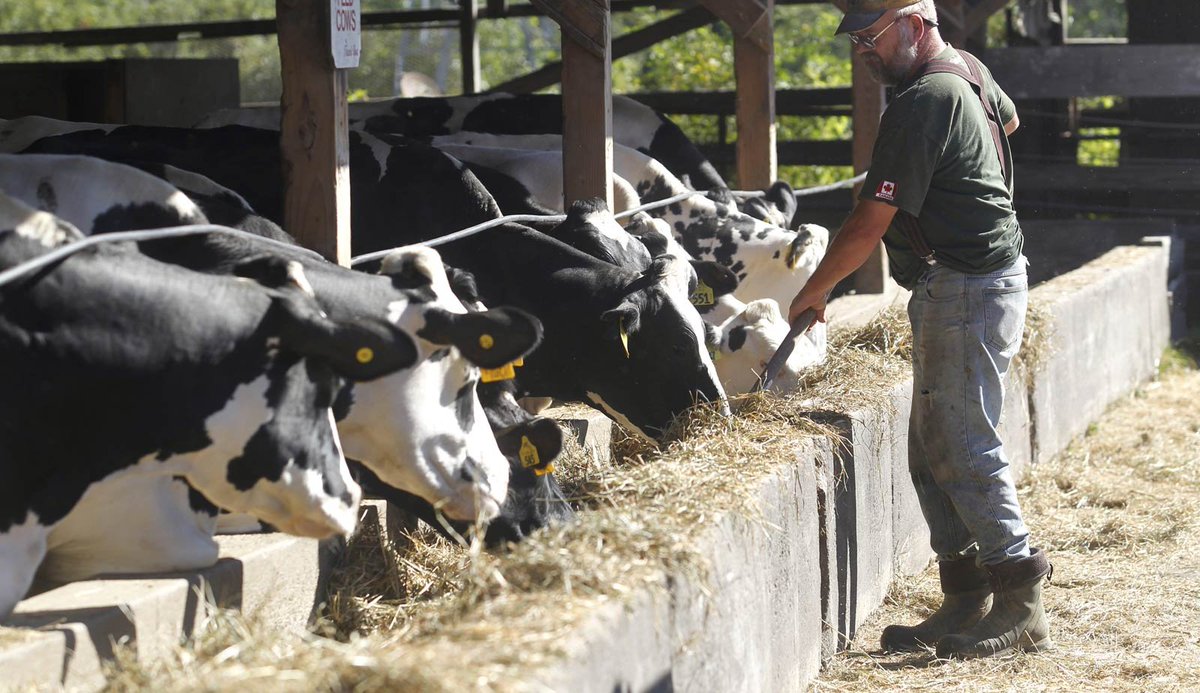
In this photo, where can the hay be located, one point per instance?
(1119, 515)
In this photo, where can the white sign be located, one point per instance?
(345, 27)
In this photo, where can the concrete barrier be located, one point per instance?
(74, 628)
(1109, 321)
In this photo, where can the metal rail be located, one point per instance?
(13, 273)
(518, 218)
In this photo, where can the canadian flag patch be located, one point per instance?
(886, 191)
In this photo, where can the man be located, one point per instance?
(939, 195)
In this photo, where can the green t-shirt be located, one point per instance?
(935, 159)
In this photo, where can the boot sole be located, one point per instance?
(1024, 644)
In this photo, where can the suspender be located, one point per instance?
(906, 223)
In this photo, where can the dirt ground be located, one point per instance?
(1119, 516)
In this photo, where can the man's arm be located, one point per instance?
(847, 252)
(1011, 126)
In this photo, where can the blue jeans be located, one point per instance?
(966, 330)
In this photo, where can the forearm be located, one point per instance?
(848, 250)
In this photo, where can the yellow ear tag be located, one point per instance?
(491, 375)
(365, 355)
(703, 295)
(548, 469)
(528, 453)
(624, 336)
(519, 362)
(486, 341)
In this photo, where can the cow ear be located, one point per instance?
(535, 444)
(722, 279)
(621, 322)
(783, 197)
(358, 350)
(488, 339)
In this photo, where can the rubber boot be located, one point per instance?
(966, 597)
(1017, 620)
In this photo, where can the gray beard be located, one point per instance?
(893, 74)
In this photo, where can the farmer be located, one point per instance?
(939, 194)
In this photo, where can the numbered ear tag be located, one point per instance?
(492, 375)
(624, 336)
(703, 295)
(529, 453)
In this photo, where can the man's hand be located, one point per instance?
(802, 303)
(850, 248)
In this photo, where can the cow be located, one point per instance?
(405, 192)
(770, 262)
(117, 364)
(95, 195)
(109, 182)
(634, 125)
(742, 337)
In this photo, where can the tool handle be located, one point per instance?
(780, 357)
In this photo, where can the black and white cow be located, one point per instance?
(95, 195)
(635, 125)
(770, 262)
(404, 192)
(742, 337)
(117, 364)
(78, 551)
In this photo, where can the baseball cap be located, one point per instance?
(861, 14)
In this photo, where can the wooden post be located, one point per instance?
(313, 133)
(469, 46)
(755, 69)
(868, 100)
(587, 96)
(754, 66)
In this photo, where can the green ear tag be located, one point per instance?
(714, 353)
(624, 336)
(529, 453)
(703, 296)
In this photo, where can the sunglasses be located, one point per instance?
(868, 42)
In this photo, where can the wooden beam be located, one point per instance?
(1043, 72)
(622, 46)
(313, 136)
(579, 19)
(749, 19)
(869, 99)
(833, 101)
(754, 66)
(587, 98)
(469, 46)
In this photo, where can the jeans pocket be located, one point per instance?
(1004, 314)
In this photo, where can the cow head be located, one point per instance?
(423, 429)
(651, 363)
(749, 339)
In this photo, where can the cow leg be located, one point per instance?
(22, 548)
(155, 529)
